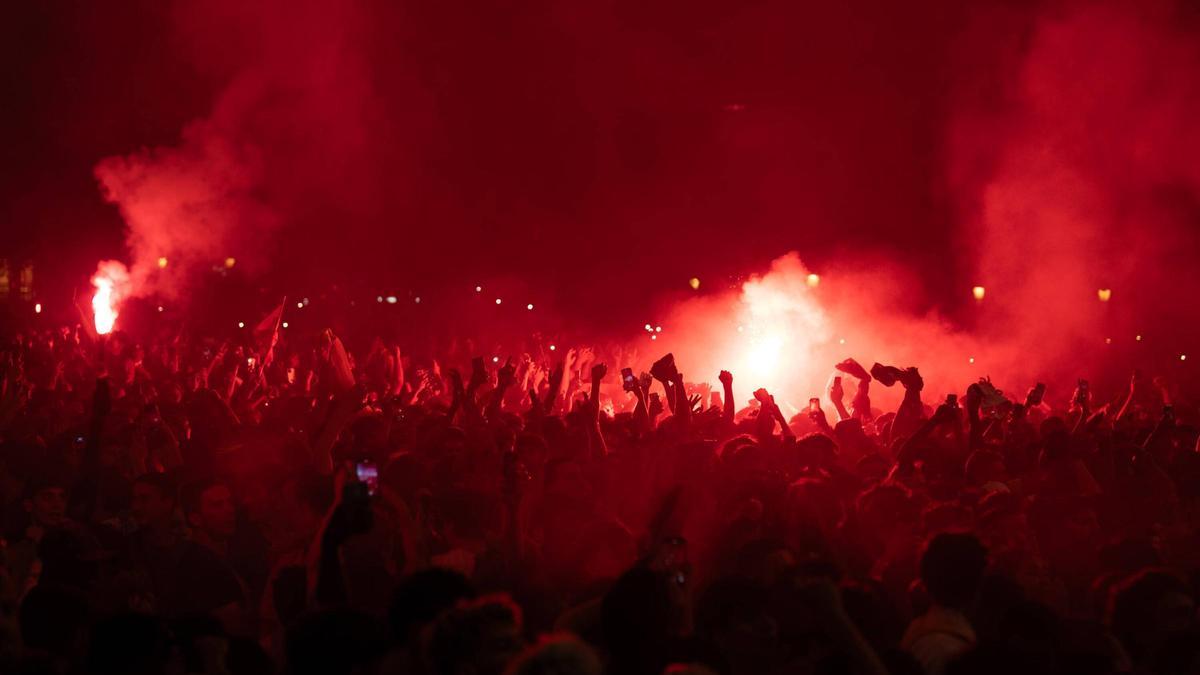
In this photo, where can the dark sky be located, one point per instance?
(612, 152)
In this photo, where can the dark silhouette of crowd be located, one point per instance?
(180, 504)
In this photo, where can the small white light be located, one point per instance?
(649, 328)
(37, 308)
(1183, 357)
(497, 301)
(971, 360)
(653, 337)
(391, 299)
(495, 359)
(160, 308)
(299, 305)
(379, 298)
(741, 329)
(813, 280)
(417, 299)
(1108, 341)
(479, 289)
(842, 341)
(658, 329)
(284, 324)
(529, 306)
(241, 324)
(1138, 338)
(552, 347)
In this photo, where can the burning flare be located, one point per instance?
(110, 280)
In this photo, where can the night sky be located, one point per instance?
(599, 155)
(654, 140)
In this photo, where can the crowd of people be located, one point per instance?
(179, 504)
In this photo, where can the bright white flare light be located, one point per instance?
(110, 280)
(102, 305)
(780, 328)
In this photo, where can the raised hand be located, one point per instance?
(664, 369)
(656, 405)
(911, 379)
(854, 369)
(945, 414)
(645, 379)
(1034, 397)
(478, 374)
(599, 370)
(885, 375)
(836, 393)
(726, 378)
(506, 375)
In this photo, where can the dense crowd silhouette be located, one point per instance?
(187, 505)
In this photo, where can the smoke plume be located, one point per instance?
(1077, 194)
(287, 134)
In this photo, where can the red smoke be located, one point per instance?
(1066, 150)
(289, 133)
(1083, 176)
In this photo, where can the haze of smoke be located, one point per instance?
(779, 332)
(285, 131)
(1093, 184)
(1090, 182)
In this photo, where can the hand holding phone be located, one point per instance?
(628, 379)
(368, 474)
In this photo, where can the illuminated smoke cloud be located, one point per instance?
(1077, 191)
(287, 134)
(778, 331)
(1089, 181)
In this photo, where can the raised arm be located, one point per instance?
(837, 395)
(599, 370)
(862, 398)
(1134, 385)
(557, 373)
(911, 410)
(730, 409)
(909, 451)
(505, 377)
